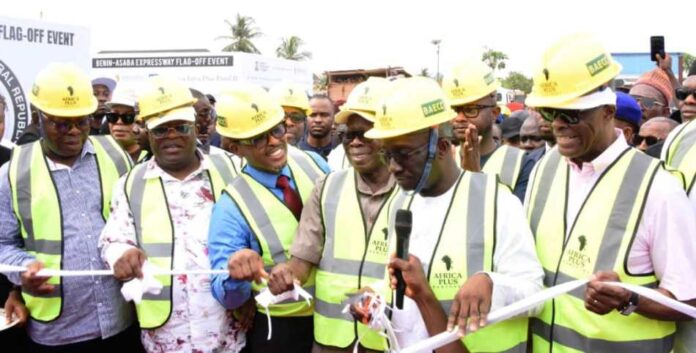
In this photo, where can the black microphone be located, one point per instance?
(404, 221)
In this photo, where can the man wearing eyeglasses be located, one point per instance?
(652, 132)
(293, 99)
(161, 211)
(471, 93)
(121, 117)
(654, 91)
(459, 218)
(54, 195)
(255, 221)
(602, 210)
(343, 236)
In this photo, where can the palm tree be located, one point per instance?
(243, 31)
(494, 59)
(290, 49)
(424, 72)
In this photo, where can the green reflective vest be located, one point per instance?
(36, 204)
(465, 246)
(154, 230)
(599, 239)
(681, 153)
(354, 257)
(274, 225)
(506, 162)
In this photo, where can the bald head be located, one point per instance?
(658, 127)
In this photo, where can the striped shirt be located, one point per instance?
(92, 306)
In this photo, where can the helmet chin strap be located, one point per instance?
(432, 148)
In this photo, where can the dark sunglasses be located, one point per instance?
(349, 136)
(278, 132)
(64, 126)
(471, 111)
(570, 116)
(647, 102)
(296, 117)
(161, 132)
(649, 140)
(125, 118)
(531, 138)
(683, 93)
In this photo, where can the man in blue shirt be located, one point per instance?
(254, 222)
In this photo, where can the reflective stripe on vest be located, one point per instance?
(681, 154)
(465, 246)
(154, 230)
(351, 260)
(273, 223)
(599, 240)
(35, 197)
(506, 162)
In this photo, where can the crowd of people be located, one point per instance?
(272, 190)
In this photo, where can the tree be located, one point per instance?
(243, 32)
(494, 59)
(424, 72)
(516, 80)
(688, 61)
(290, 49)
(321, 83)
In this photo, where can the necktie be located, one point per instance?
(290, 196)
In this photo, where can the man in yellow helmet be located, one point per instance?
(600, 209)
(471, 93)
(160, 212)
(54, 195)
(344, 236)
(254, 222)
(470, 247)
(293, 99)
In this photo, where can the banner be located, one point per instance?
(26, 47)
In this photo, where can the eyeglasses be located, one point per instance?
(649, 140)
(278, 132)
(399, 156)
(647, 102)
(161, 132)
(296, 117)
(683, 93)
(530, 138)
(125, 118)
(349, 136)
(570, 116)
(471, 111)
(64, 126)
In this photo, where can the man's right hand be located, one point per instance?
(470, 152)
(281, 279)
(246, 265)
(130, 265)
(33, 284)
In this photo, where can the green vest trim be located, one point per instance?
(352, 258)
(681, 154)
(460, 254)
(506, 162)
(599, 239)
(35, 197)
(154, 230)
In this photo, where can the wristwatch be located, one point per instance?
(631, 306)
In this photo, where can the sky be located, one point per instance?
(363, 34)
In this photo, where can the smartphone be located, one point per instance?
(657, 46)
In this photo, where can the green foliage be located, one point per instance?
(516, 80)
(289, 49)
(494, 59)
(243, 32)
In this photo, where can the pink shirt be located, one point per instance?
(665, 241)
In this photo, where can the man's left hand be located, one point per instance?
(472, 304)
(15, 305)
(601, 298)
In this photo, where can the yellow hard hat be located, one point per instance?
(291, 95)
(572, 67)
(246, 110)
(469, 81)
(409, 105)
(161, 94)
(363, 100)
(63, 90)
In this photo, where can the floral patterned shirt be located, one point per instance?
(198, 323)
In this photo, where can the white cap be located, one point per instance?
(109, 82)
(187, 114)
(588, 101)
(123, 95)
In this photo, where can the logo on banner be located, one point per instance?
(17, 106)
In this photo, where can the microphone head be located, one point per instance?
(403, 222)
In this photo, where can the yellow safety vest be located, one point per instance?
(354, 257)
(274, 225)
(599, 240)
(35, 202)
(506, 162)
(465, 246)
(681, 153)
(154, 230)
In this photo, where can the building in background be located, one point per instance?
(341, 83)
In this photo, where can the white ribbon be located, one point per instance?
(265, 298)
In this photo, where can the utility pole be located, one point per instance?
(436, 43)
